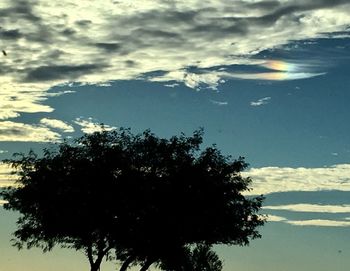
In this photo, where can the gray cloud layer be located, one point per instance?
(55, 42)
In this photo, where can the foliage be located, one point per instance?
(144, 196)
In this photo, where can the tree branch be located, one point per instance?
(147, 264)
(127, 262)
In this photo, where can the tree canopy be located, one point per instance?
(144, 197)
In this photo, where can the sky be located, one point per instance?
(267, 80)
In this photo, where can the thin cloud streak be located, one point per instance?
(309, 222)
(319, 223)
(219, 103)
(311, 208)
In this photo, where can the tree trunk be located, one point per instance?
(95, 266)
(126, 263)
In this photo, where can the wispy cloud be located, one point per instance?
(282, 179)
(90, 125)
(219, 103)
(57, 124)
(261, 101)
(3, 151)
(319, 223)
(59, 93)
(171, 85)
(309, 222)
(275, 218)
(313, 208)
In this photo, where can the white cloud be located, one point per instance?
(17, 97)
(275, 218)
(313, 208)
(13, 131)
(282, 179)
(57, 124)
(191, 80)
(171, 85)
(90, 126)
(309, 222)
(261, 101)
(3, 151)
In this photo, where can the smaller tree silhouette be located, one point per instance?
(198, 258)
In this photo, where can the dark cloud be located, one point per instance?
(148, 37)
(130, 63)
(46, 73)
(20, 10)
(12, 34)
(55, 54)
(68, 32)
(109, 47)
(300, 6)
(83, 23)
(219, 26)
(264, 5)
(157, 33)
(159, 18)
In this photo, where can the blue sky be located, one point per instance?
(268, 80)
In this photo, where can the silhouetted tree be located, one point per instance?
(143, 196)
(198, 258)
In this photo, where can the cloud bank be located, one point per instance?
(283, 179)
(58, 42)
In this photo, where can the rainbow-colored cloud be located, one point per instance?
(279, 70)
